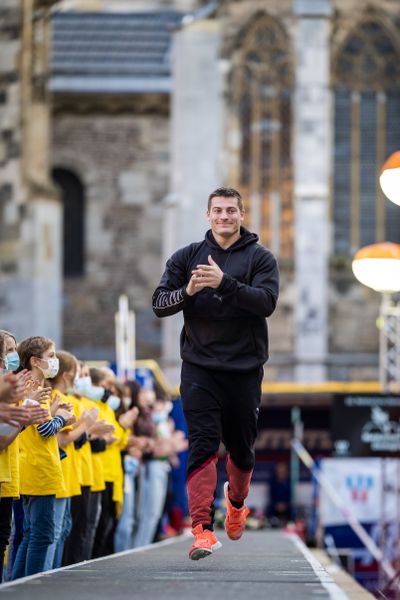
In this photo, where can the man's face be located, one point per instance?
(224, 216)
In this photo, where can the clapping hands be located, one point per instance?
(205, 276)
(129, 418)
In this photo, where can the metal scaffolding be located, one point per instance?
(389, 354)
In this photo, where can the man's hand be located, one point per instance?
(205, 276)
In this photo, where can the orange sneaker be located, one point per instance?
(205, 541)
(235, 520)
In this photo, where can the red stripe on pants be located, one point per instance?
(239, 481)
(201, 490)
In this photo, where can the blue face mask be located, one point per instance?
(114, 402)
(11, 361)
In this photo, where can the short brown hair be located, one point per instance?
(2, 346)
(32, 346)
(226, 193)
(3, 341)
(7, 334)
(97, 376)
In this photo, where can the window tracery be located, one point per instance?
(262, 89)
(366, 84)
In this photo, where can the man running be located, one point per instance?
(226, 286)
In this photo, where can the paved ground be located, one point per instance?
(263, 565)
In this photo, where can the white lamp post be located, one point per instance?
(125, 339)
(378, 266)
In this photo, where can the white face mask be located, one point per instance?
(95, 393)
(71, 389)
(53, 364)
(114, 402)
(82, 385)
(126, 401)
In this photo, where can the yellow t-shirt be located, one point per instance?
(85, 452)
(40, 465)
(5, 467)
(11, 489)
(71, 464)
(111, 457)
(98, 483)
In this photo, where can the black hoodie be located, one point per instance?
(224, 328)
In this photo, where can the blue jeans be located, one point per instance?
(65, 531)
(38, 535)
(153, 491)
(62, 527)
(17, 532)
(124, 533)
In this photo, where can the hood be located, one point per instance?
(246, 238)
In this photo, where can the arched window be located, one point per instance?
(262, 88)
(73, 222)
(367, 130)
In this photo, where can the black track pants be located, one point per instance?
(218, 405)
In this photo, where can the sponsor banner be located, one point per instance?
(366, 425)
(369, 488)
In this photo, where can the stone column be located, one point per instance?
(312, 143)
(30, 244)
(195, 151)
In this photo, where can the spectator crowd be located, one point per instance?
(85, 459)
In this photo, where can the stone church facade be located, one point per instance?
(143, 109)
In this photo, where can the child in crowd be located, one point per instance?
(156, 465)
(112, 495)
(69, 439)
(40, 465)
(9, 488)
(76, 546)
(100, 435)
(127, 415)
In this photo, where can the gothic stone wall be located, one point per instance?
(10, 134)
(123, 163)
(353, 333)
(353, 337)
